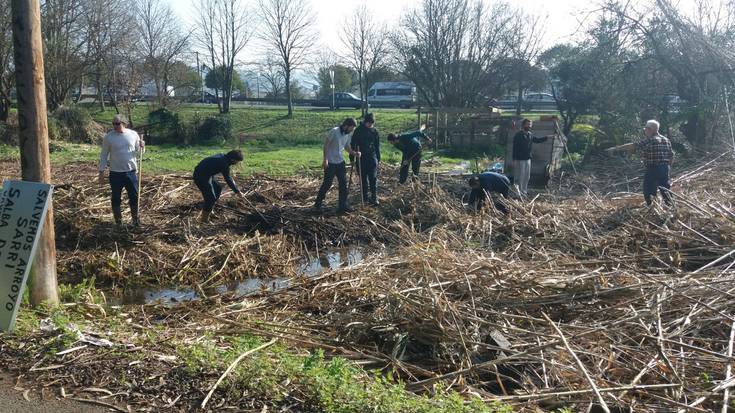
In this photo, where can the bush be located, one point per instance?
(215, 129)
(165, 127)
(74, 124)
(9, 130)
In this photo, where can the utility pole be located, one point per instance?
(33, 124)
(201, 81)
(331, 76)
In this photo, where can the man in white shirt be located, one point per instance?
(120, 148)
(337, 139)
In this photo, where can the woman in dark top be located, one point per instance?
(204, 178)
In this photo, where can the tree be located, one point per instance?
(224, 29)
(161, 43)
(342, 80)
(7, 68)
(65, 45)
(275, 79)
(289, 33)
(367, 44)
(106, 35)
(214, 80)
(449, 49)
(184, 80)
(690, 53)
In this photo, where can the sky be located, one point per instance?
(562, 18)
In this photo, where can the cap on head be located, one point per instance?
(369, 118)
(392, 137)
(474, 181)
(120, 119)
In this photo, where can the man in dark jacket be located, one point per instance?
(409, 144)
(366, 140)
(485, 184)
(204, 178)
(522, 142)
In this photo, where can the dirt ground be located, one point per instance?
(13, 400)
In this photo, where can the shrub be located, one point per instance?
(74, 124)
(9, 130)
(164, 127)
(215, 129)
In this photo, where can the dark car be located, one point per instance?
(341, 100)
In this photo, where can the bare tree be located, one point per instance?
(289, 32)
(449, 49)
(273, 74)
(366, 43)
(162, 43)
(65, 46)
(224, 29)
(7, 69)
(106, 36)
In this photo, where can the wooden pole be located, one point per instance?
(33, 124)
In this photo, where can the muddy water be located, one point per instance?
(309, 267)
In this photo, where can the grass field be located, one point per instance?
(273, 144)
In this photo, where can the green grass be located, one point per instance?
(273, 144)
(276, 375)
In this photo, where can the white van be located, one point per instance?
(392, 94)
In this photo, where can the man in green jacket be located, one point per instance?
(409, 143)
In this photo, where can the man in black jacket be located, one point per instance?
(204, 178)
(366, 140)
(522, 142)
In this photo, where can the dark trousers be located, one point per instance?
(340, 171)
(369, 174)
(415, 162)
(480, 195)
(657, 178)
(129, 181)
(210, 190)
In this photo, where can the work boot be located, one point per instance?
(204, 216)
(136, 220)
(117, 214)
(374, 200)
(344, 210)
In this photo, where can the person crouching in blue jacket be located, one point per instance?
(204, 178)
(485, 184)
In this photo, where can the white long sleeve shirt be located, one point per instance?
(119, 151)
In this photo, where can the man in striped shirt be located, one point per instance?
(657, 156)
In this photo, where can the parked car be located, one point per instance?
(341, 100)
(506, 102)
(537, 100)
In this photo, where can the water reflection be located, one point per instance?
(309, 267)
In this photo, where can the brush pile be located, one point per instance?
(579, 297)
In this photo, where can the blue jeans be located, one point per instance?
(129, 181)
(657, 178)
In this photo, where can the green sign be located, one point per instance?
(23, 207)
